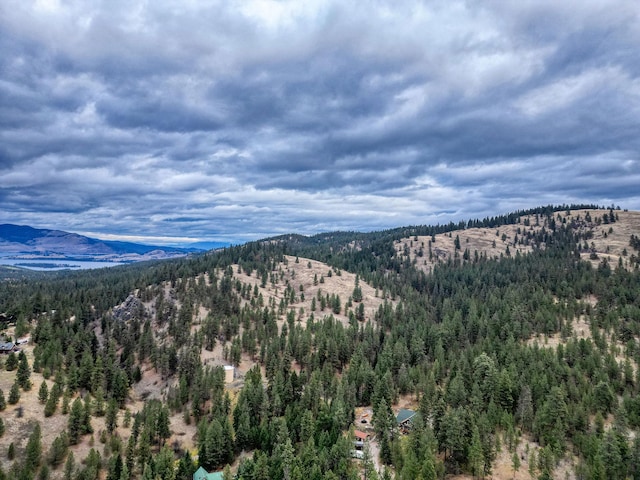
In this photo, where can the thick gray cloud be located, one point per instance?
(170, 120)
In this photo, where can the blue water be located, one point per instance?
(54, 264)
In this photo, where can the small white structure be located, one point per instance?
(228, 373)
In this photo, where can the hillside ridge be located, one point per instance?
(23, 239)
(510, 340)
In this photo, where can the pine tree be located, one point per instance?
(66, 399)
(533, 463)
(115, 468)
(43, 392)
(24, 372)
(124, 473)
(515, 463)
(51, 405)
(147, 473)
(33, 451)
(130, 453)
(634, 459)
(226, 473)
(75, 422)
(98, 402)
(12, 362)
(164, 464)
(14, 393)
(111, 419)
(428, 471)
(58, 451)
(356, 295)
(86, 415)
(186, 466)
(3, 402)
(44, 473)
(69, 467)
(476, 457)
(163, 430)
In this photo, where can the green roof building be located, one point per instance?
(404, 417)
(202, 474)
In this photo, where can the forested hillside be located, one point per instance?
(516, 339)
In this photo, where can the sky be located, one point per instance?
(168, 122)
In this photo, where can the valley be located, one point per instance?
(519, 338)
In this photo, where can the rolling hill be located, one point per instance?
(20, 239)
(516, 336)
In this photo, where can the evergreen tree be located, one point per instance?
(75, 425)
(186, 467)
(227, 475)
(634, 459)
(66, 399)
(147, 472)
(115, 468)
(33, 450)
(164, 464)
(69, 467)
(51, 405)
(58, 450)
(43, 392)
(515, 463)
(12, 362)
(533, 463)
(613, 457)
(111, 416)
(428, 471)
(125, 475)
(24, 372)
(14, 393)
(476, 457)
(98, 402)
(44, 473)
(86, 415)
(163, 430)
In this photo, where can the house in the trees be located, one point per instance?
(202, 474)
(404, 419)
(359, 439)
(7, 347)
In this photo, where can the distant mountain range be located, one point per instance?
(36, 242)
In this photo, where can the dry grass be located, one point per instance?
(18, 428)
(609, 240)
(301, 274)
(491, 242)
(580, 329)
(503, 469)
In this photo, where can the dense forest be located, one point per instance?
(486, 349)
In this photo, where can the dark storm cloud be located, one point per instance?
(227, 121)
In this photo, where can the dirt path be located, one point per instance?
(374, 448)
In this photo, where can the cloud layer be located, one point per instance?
(239, 120)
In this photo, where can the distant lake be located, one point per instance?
(54, 264)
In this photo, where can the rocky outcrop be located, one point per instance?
(132, 307)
